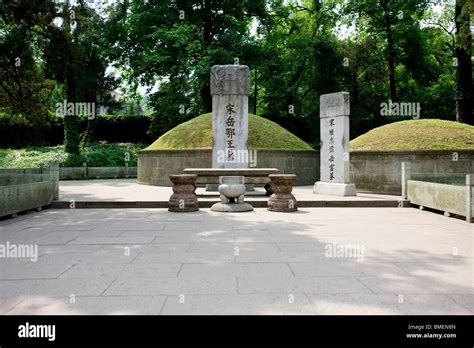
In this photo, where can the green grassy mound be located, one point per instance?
(429, 134)
(197, 133)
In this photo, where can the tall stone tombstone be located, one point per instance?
(334, 151)
(230, 86)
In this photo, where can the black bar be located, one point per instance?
(248, 330)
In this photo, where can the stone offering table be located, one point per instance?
(251, 175)
(282, 199)
(183, 198)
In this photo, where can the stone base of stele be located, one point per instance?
(334, 189)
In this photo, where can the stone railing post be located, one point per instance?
(84, 170)
(406, 175)
(54, 177)
(469, 197)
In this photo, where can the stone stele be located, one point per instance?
(334, 151)
(230, 86)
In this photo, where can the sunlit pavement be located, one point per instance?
(314, 261)
(116, 190)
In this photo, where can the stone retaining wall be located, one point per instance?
(380, 171)
(371, 171)
(155, 167)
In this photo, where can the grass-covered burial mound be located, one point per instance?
(428, 134)
(197, 134)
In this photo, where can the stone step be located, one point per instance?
(254, 203)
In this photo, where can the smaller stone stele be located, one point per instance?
(232, 190)
(183, 198)
(334, 115)
(282, 200)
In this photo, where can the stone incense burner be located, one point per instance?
(232, 190)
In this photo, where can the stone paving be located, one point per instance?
(129, 190)
(151, 261)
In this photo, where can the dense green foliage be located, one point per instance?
(377, 50)
(197, 133)
(97, 155)
(109, 128)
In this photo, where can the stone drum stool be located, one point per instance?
(282, 200)
(232, 190)
(183, 198)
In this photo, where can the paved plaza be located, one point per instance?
(151, 261)
(119, 190)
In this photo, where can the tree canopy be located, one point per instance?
(159, 53)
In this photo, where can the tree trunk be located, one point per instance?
(205, 91)
(255, 94)
(87, 138)
(391, 61)
(464, 65)
(71, 129)
(206, 97)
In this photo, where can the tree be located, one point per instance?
(166, 43)
(45, 44)
(24, 90)
(75, 56)
(390, 20)
(464, 62)
(299, 61)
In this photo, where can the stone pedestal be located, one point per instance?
(54, 177)
(334, 150)
(282, 199)
(183, 198)
(232, 190)
(334, 189)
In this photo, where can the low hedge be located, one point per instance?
(109, 128)
(97, 155)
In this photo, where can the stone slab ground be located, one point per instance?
(151, 261)
(128, 190)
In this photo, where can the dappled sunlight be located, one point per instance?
(243, 263)
(44, 305)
